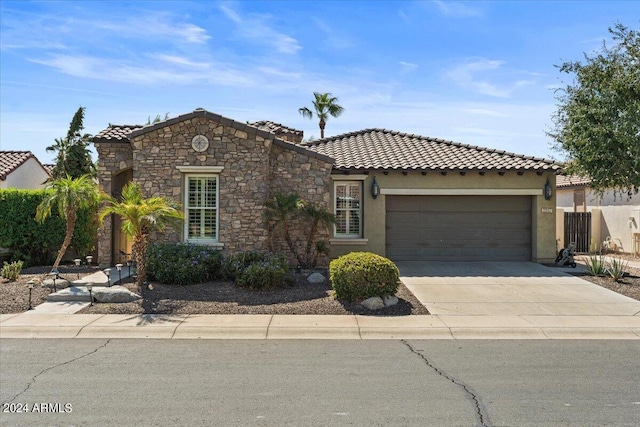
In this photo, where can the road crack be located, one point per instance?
(35, 377)
(480, 415)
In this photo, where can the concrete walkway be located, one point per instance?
(467, 301)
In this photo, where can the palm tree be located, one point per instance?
(69, 194)
(325, 105)
(139, 217)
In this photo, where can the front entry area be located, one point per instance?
(458, 228)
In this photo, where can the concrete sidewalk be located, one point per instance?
(27, 325)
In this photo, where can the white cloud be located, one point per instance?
(465, 75)
(257, 29)
(457, 9)
(333, 39)
(407, 67)
(184, 72)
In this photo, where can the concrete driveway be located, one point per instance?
(509, 289)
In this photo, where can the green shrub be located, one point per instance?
(617, 269)
(234, 265)
(269, 273)
(361, 275)
(11, 271)
(595, 265)
(35, 243)
(183, 264)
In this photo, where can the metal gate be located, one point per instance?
(577, 228)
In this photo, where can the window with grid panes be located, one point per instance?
(348, 209)
(202, 208)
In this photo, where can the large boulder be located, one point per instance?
(373, 303)
(316, 278)
(60, 283)
(114, 294)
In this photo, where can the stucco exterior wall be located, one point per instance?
(610, 217)
(30, 176)
(543, 211)
(608, 198)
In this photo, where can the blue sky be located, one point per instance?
(480, 73)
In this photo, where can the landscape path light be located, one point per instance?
(107, 272)
(30, 285)
(89, 259)
(119, 267)
(77, 262)
(89, 288)
(54, 276)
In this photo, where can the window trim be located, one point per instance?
(212, 242)
(360, 185)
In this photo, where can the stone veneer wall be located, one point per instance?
(242, 184)
(309, 177)
(113, 157)
(255, 168)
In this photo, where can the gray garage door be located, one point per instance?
(465, 228)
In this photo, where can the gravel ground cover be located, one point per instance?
(14, 296)
(224, 297)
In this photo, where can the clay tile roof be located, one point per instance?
(49, 168)
(389, 150)
(11, 160)
(116, 133)
(275, 128)
(563, 181)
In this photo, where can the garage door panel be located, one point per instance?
(458, 228)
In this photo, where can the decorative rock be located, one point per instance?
(389, 300)
(60, 283)
(373, 303)
(316, 278)
(114, 294)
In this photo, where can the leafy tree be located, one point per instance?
(295, 216)
(68, 194)
(73, 157)
(157, 119)
(140, 216)
(324, 105)
(598, 119)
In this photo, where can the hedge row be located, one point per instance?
(35, 243)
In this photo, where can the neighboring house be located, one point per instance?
(432, 199)
(21, 169)
(614, 218)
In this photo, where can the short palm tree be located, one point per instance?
(140, 216)
(69, 195)
(324, 105)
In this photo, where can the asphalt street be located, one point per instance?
(318, 383)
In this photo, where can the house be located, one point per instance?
(606, 217)
(404, 196)
(21, 169)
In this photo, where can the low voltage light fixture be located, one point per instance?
(30, 285)
(107, 272)
(89, 288)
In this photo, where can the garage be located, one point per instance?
(458, 228)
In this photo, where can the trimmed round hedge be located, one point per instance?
(360, 275)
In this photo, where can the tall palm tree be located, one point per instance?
(68, 194)
(324, 105)
(140, 216)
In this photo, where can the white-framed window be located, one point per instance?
(201, 208)
(348, 209)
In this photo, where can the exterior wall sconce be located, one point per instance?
(547, 190)
(375, 188)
